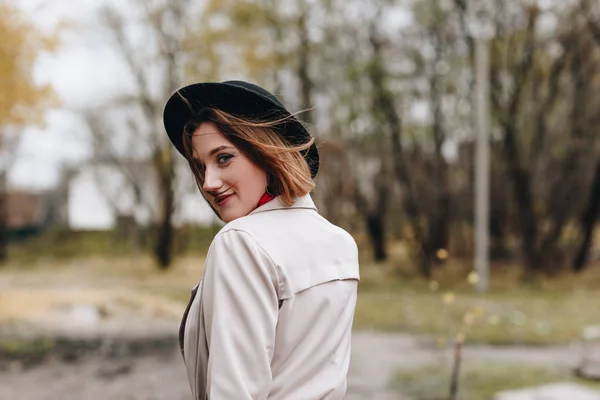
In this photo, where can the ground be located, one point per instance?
(376, 358)
(402, 329)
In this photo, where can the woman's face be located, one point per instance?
(232, 183)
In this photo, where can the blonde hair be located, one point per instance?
(288, 173)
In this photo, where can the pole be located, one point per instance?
(482, 166)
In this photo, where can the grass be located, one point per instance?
(548, 311)
(391, 296)
(500, 318)
(61, 244)
(108, 284)
(116, 287)
(25, 350)
(479, 380)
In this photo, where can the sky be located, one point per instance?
(84, 73)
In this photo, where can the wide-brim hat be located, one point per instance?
(241, 99)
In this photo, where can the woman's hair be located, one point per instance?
(288, 173)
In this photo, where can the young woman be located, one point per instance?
(271, 317)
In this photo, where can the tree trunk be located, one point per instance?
(439, 224)
(3, 219)
(383, 105)
(135, 240)
(164, 239)
(375, 227)
(527, 219)
(588, 222)
(439, 227)
(518, 173)
(565, 189)
(424, 256)
(375, 218)
(135, 243)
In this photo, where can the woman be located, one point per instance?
(271, 317)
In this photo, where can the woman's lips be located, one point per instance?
(221, 201)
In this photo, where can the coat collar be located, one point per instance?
(275, 204)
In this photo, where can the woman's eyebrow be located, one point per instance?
(217, 149)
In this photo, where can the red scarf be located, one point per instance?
(265, 199)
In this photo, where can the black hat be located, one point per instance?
(239, 98)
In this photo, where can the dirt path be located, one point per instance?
(376, 357)
(161, 377)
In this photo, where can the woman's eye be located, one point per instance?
(223, 158)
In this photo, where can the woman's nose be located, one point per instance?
(212, 180)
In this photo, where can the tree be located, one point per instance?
(157, 48)
(419, 165)
(22, 101)
(363, 88)
(126, 180)
(542, 97)
(591, 214)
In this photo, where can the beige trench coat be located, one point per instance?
(271, 317)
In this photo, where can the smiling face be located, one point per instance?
(232, 184)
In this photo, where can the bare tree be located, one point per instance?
(591, 214)
(508, 116)
(127, 184)
(422, 174)
(541, 100)
(156, 66)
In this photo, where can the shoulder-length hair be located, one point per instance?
(288, 173)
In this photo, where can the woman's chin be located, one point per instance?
(229, 212)
(233, 208)
(228, 217)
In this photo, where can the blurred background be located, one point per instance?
(459, 145)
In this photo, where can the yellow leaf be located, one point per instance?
(442, 254)
(473, 278)
(449, 298)
(478, 312)
(469, 318)
(22, 101)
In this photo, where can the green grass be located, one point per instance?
(24, 349)
(549, 311)
(58, 245)
(478, 380)
(500, 318)
(391, 296)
